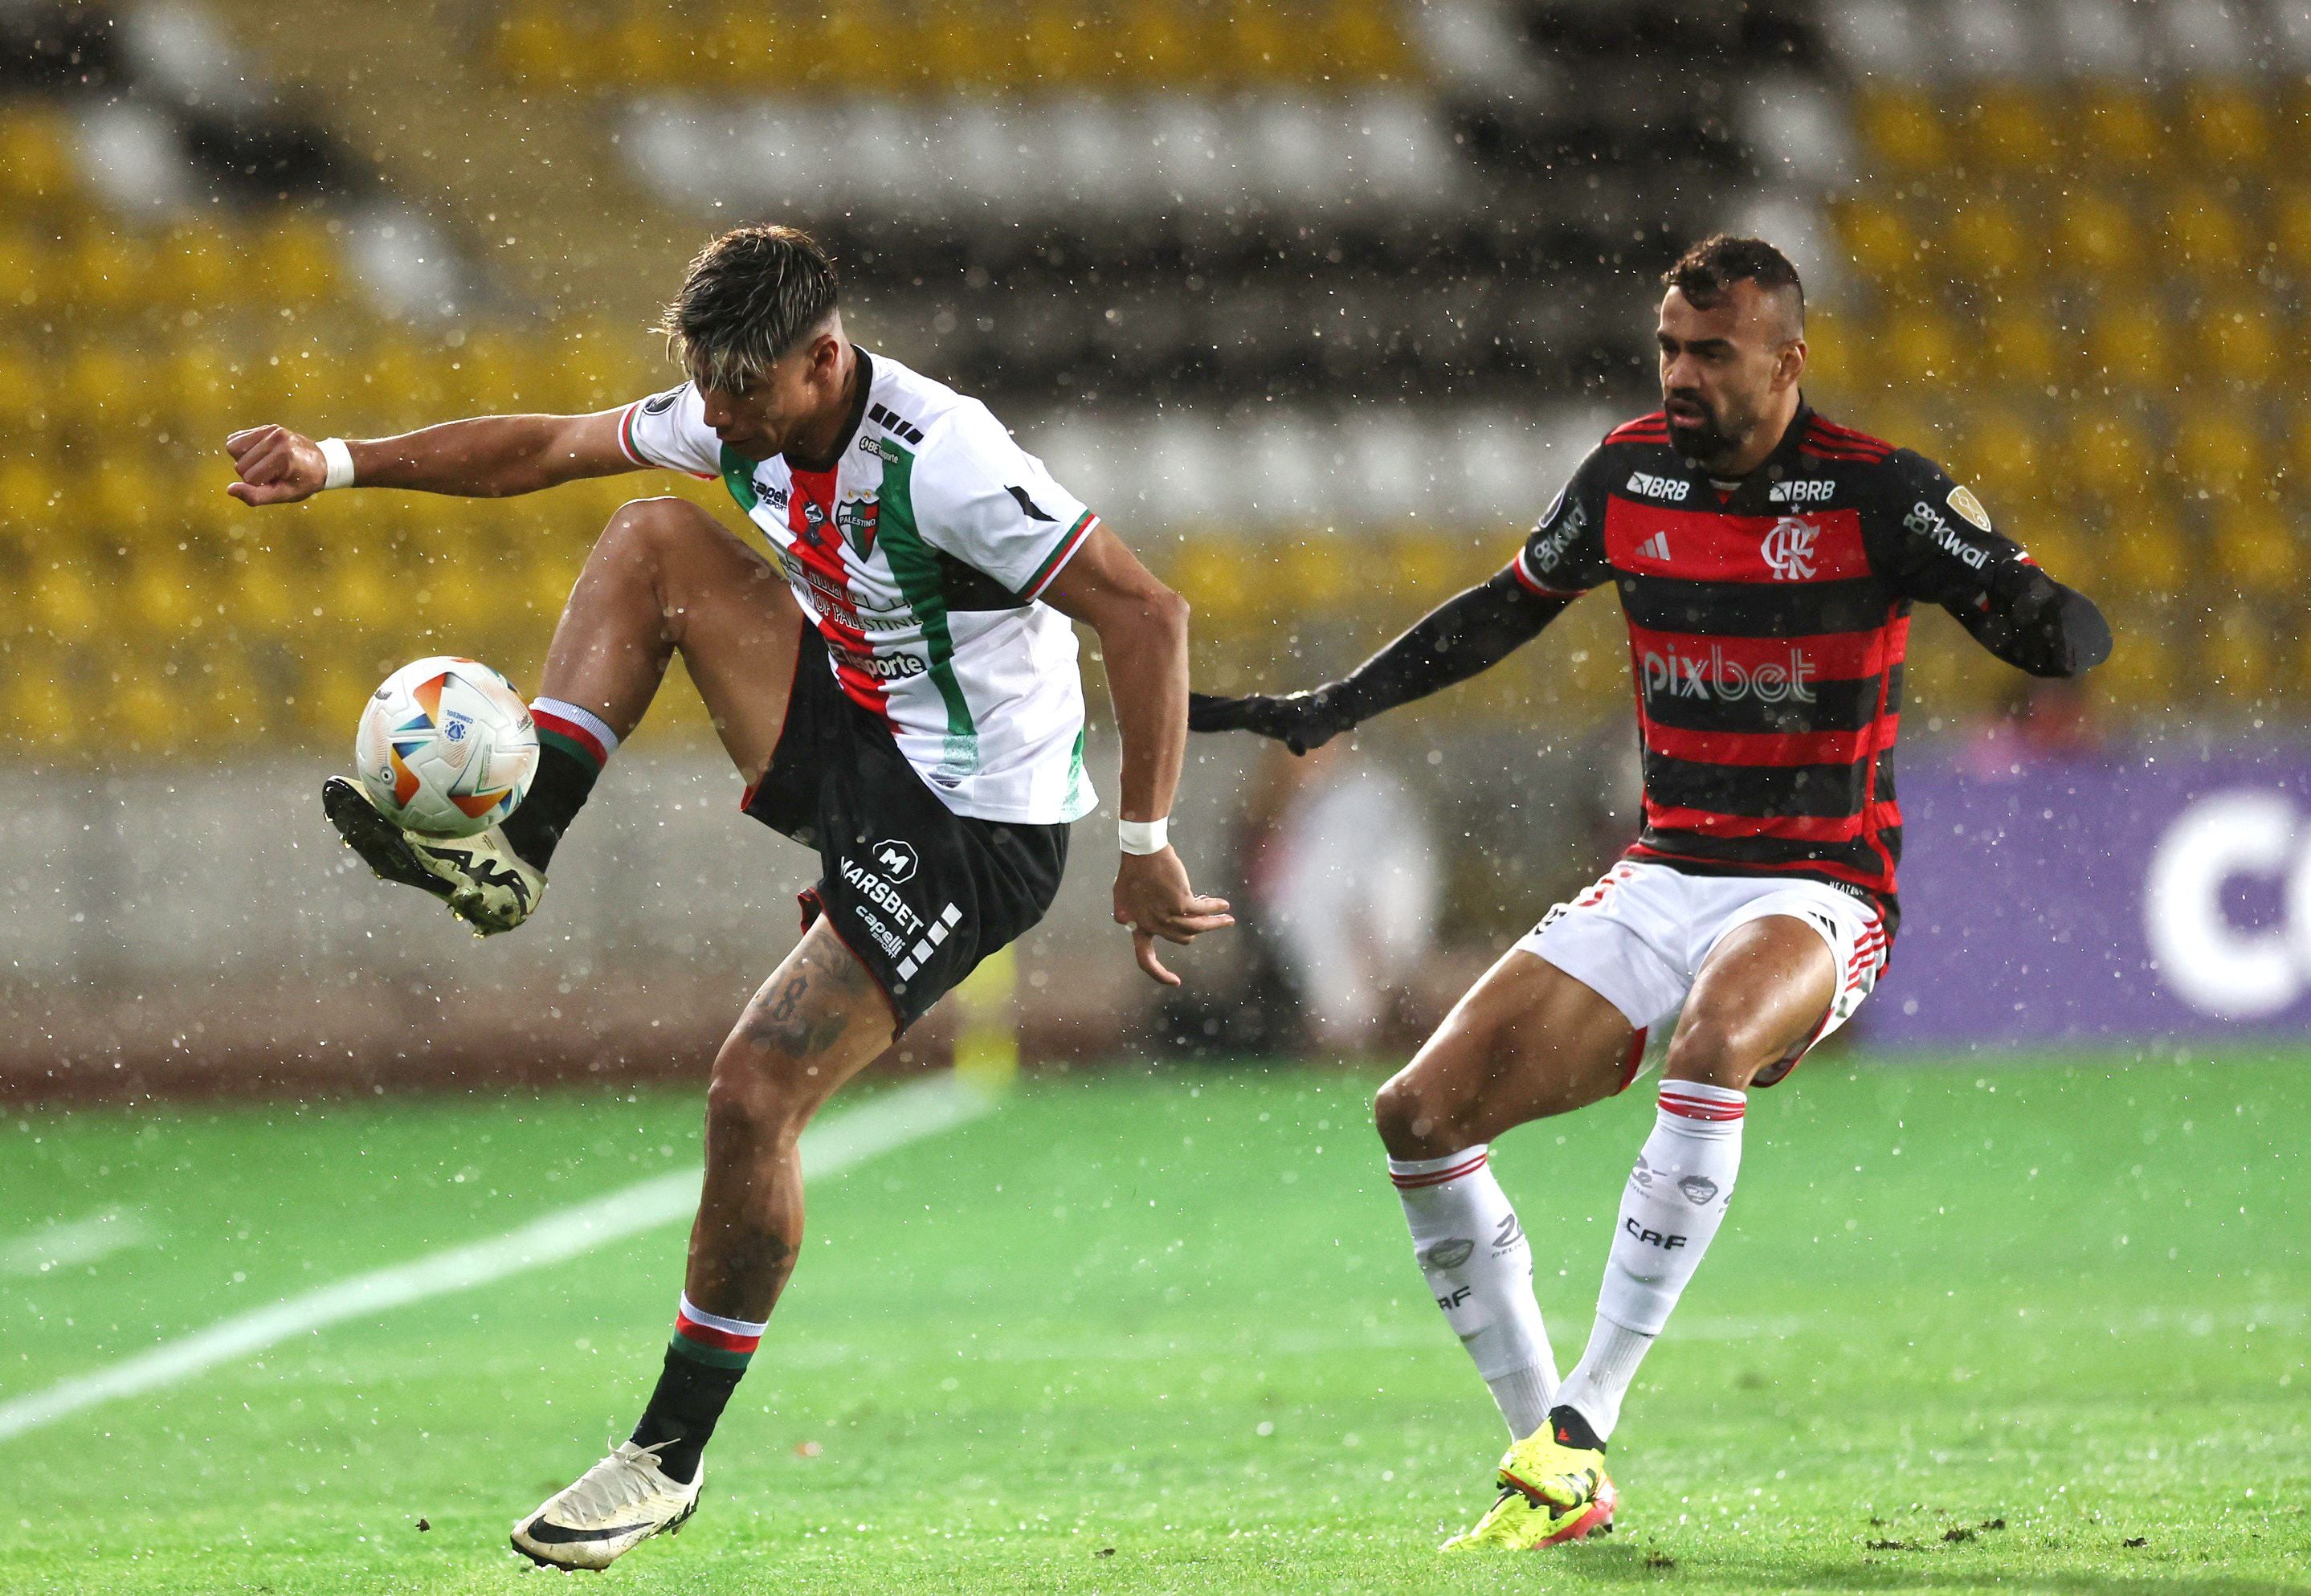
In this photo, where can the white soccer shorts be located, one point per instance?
(1639, 936)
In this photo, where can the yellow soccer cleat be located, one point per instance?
(1550, 1494)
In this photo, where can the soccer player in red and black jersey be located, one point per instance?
(1767, 561)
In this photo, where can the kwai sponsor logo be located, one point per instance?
(1789, 549)
(1678, 673)
(1547, 553)
(1929, 523)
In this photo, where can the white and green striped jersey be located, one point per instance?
(921, 558)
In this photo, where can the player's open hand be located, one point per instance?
(1298, 720)
(276, 465)
(1153, 897)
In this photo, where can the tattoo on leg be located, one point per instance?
(783, 1009)
(784, 1024)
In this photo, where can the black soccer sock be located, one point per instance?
(703, 1363)
(572, 746)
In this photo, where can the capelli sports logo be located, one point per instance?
(1677, 672)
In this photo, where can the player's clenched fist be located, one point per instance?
(1298, 720)
(276, 465)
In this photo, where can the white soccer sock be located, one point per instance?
(1671, 1208)
(578, 715)
(1480, 1268)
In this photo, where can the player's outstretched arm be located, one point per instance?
(489, 456)
(1143, 634)
(1936, 542)
(1469, 632)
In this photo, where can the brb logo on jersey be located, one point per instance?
(1788, 549)
(1668, 489)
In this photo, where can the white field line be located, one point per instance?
(70, 1242)
(905, 1114)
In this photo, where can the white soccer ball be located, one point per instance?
(446, 748)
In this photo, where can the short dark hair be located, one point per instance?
(1705, 272)
(752, 295)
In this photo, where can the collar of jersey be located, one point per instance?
(865, 381)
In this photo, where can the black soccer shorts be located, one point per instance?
(917, 892)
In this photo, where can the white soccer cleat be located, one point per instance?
(484, 882)
(616, 1506)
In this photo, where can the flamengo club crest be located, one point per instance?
(1788, 549)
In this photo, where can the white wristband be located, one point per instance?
(1144, 836)
(340, 463)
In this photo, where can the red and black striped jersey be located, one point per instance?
(1767, 622)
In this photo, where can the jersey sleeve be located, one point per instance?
(1564, 555)
(983, 499)
(1933, 541)
(670, 429)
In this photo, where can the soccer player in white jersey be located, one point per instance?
(929, 745)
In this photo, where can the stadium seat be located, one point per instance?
(1987, 242)
(2229, 125)
(36, 162)
(2202, 234)
(2291, 230)
(2010, 129)
(2099, 241)
(2238, 341)
(1919, 346)
(1880, 242)
(1903, 131)
(2237, 657)
(1998, 454)
(2255, 552)
(2217, 453)
(2022, 344)
(2121, 129)
(2142, 549)
(2127, 346)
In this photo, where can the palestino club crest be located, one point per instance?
(1788, 549)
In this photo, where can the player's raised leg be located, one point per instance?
(664, 577)
(812, 1025)
(1527, 1041)
(1762, 994)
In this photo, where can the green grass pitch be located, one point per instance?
(2037, 1326)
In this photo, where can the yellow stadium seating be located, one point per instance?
(1919, 346)
(2238, 341)
(2229, 123)
(2290, 229)
(1903, 132)
(1880, 242)
(2256, 554)
(35, 155)
(2127, 345)
(2010, 129)
(2020, 345)
(1986, 241)
(2100, 241)
(2203, 235)
(2237, 654)
(2142, 549)
(2120, 128)
(2218, 452)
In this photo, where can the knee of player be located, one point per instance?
(1720, 1052)
(1408, 1119)
(753, 1094)
(642, 529)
